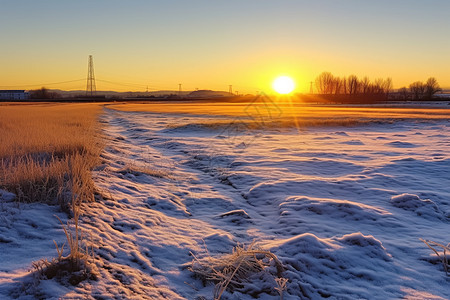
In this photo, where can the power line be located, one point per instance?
(121, 83)
(44, 84)
(135, 85)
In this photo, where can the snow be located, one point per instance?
(27, 232)
(342, 207)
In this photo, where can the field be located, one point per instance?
(285, 108)
(339, 196)
(42, 145)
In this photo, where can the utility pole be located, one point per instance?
(230, 89)
(90, 87)
(179, 89)
(311, 87)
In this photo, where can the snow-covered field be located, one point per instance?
(342, 207)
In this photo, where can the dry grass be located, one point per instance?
(78, 264)
(442, 257)
(243, 125)
(48, 150)
(285, 109)
(232, 271)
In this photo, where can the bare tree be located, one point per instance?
(431, 88)
(388, 86)
(353, 84)
(417, 90)
(344, 85)
(337, 85)
(382, 86)
(365, 85)
(403, 93)
(324, 83)
(378, 86)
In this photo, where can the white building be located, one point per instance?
(13, 95)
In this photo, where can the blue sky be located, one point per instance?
(210, 44)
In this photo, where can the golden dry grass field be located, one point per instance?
(283, 113)
(47, 150)
(283, 109)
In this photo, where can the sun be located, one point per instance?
(283, 85)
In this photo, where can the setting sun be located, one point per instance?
(283, 85)
(224, 150)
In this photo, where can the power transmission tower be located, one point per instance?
(90, 87)
(179, 89)
(230, 89)
(311, 87)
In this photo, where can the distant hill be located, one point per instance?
(208, 94)
(114, 94)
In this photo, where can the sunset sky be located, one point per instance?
(211, 44)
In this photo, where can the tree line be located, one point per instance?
(43, 93)
(328, 84)
(419, 90)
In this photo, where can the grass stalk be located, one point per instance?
(444, 260)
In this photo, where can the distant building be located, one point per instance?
(13, 95)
